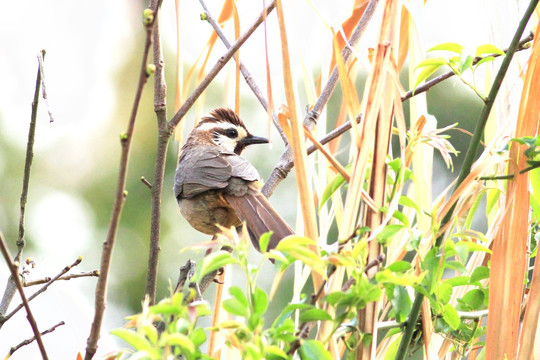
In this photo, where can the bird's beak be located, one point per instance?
(251, 139)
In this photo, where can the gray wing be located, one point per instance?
(209, 168)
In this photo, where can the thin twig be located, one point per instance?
(280, 171)
(160, 108)
(121, 193)
(42, 289)
(429, 84)
(93, 273)
(13, 268)
(146, 182)
(10, 286)
(247, 75)
(41, 57)
(466, 167)
(29, 341)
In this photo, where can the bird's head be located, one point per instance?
(224, 128)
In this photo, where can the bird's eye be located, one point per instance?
(232, 133)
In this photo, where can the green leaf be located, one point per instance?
(287, 312)
(449, 46)
(273, 352)
(432, 264)
(165, 309)
(458, 281)
(399, 266)
(451, 317)
(480, 273)
(260, 301)
(215, 261)
(264, 240)
(313, 349)
(235, 307)
(401, 302)
(473, 246)
(436, 61)
(466, 64)
(484, 60)
(188, 348)
(333, 186)
(444, 292)
(238, 294)
(391, 351)
(314, 314)
(138, 341)
(488, 49)
(301, 248)
(407, 201)
(404, 220)
(197, 336)
(472, 300)
(425, 73)
(388, 232)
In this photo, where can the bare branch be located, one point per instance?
(29, 341)
(13, 268)
(149, 17)
(93, 273)
(160, 108)
(41, 290)
(10, 286)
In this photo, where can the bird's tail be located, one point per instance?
(260, 217)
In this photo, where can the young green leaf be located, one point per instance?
(425, 73)
(260, 301)
(436, 61)
(488, 49)
(451, 317)
(235, 307)
(479, 273)
(314, 314)
(138, 341)
(449, 46)
(214, 261)
(264, 240)
(401, 302)
(313, 349)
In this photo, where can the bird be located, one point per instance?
(214, 185)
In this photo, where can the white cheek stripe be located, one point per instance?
(212, 125)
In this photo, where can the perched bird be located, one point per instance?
(215, 185)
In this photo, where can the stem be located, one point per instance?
(467, 164)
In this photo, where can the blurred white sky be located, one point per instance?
(86, 43)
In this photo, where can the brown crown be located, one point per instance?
(222, 115)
